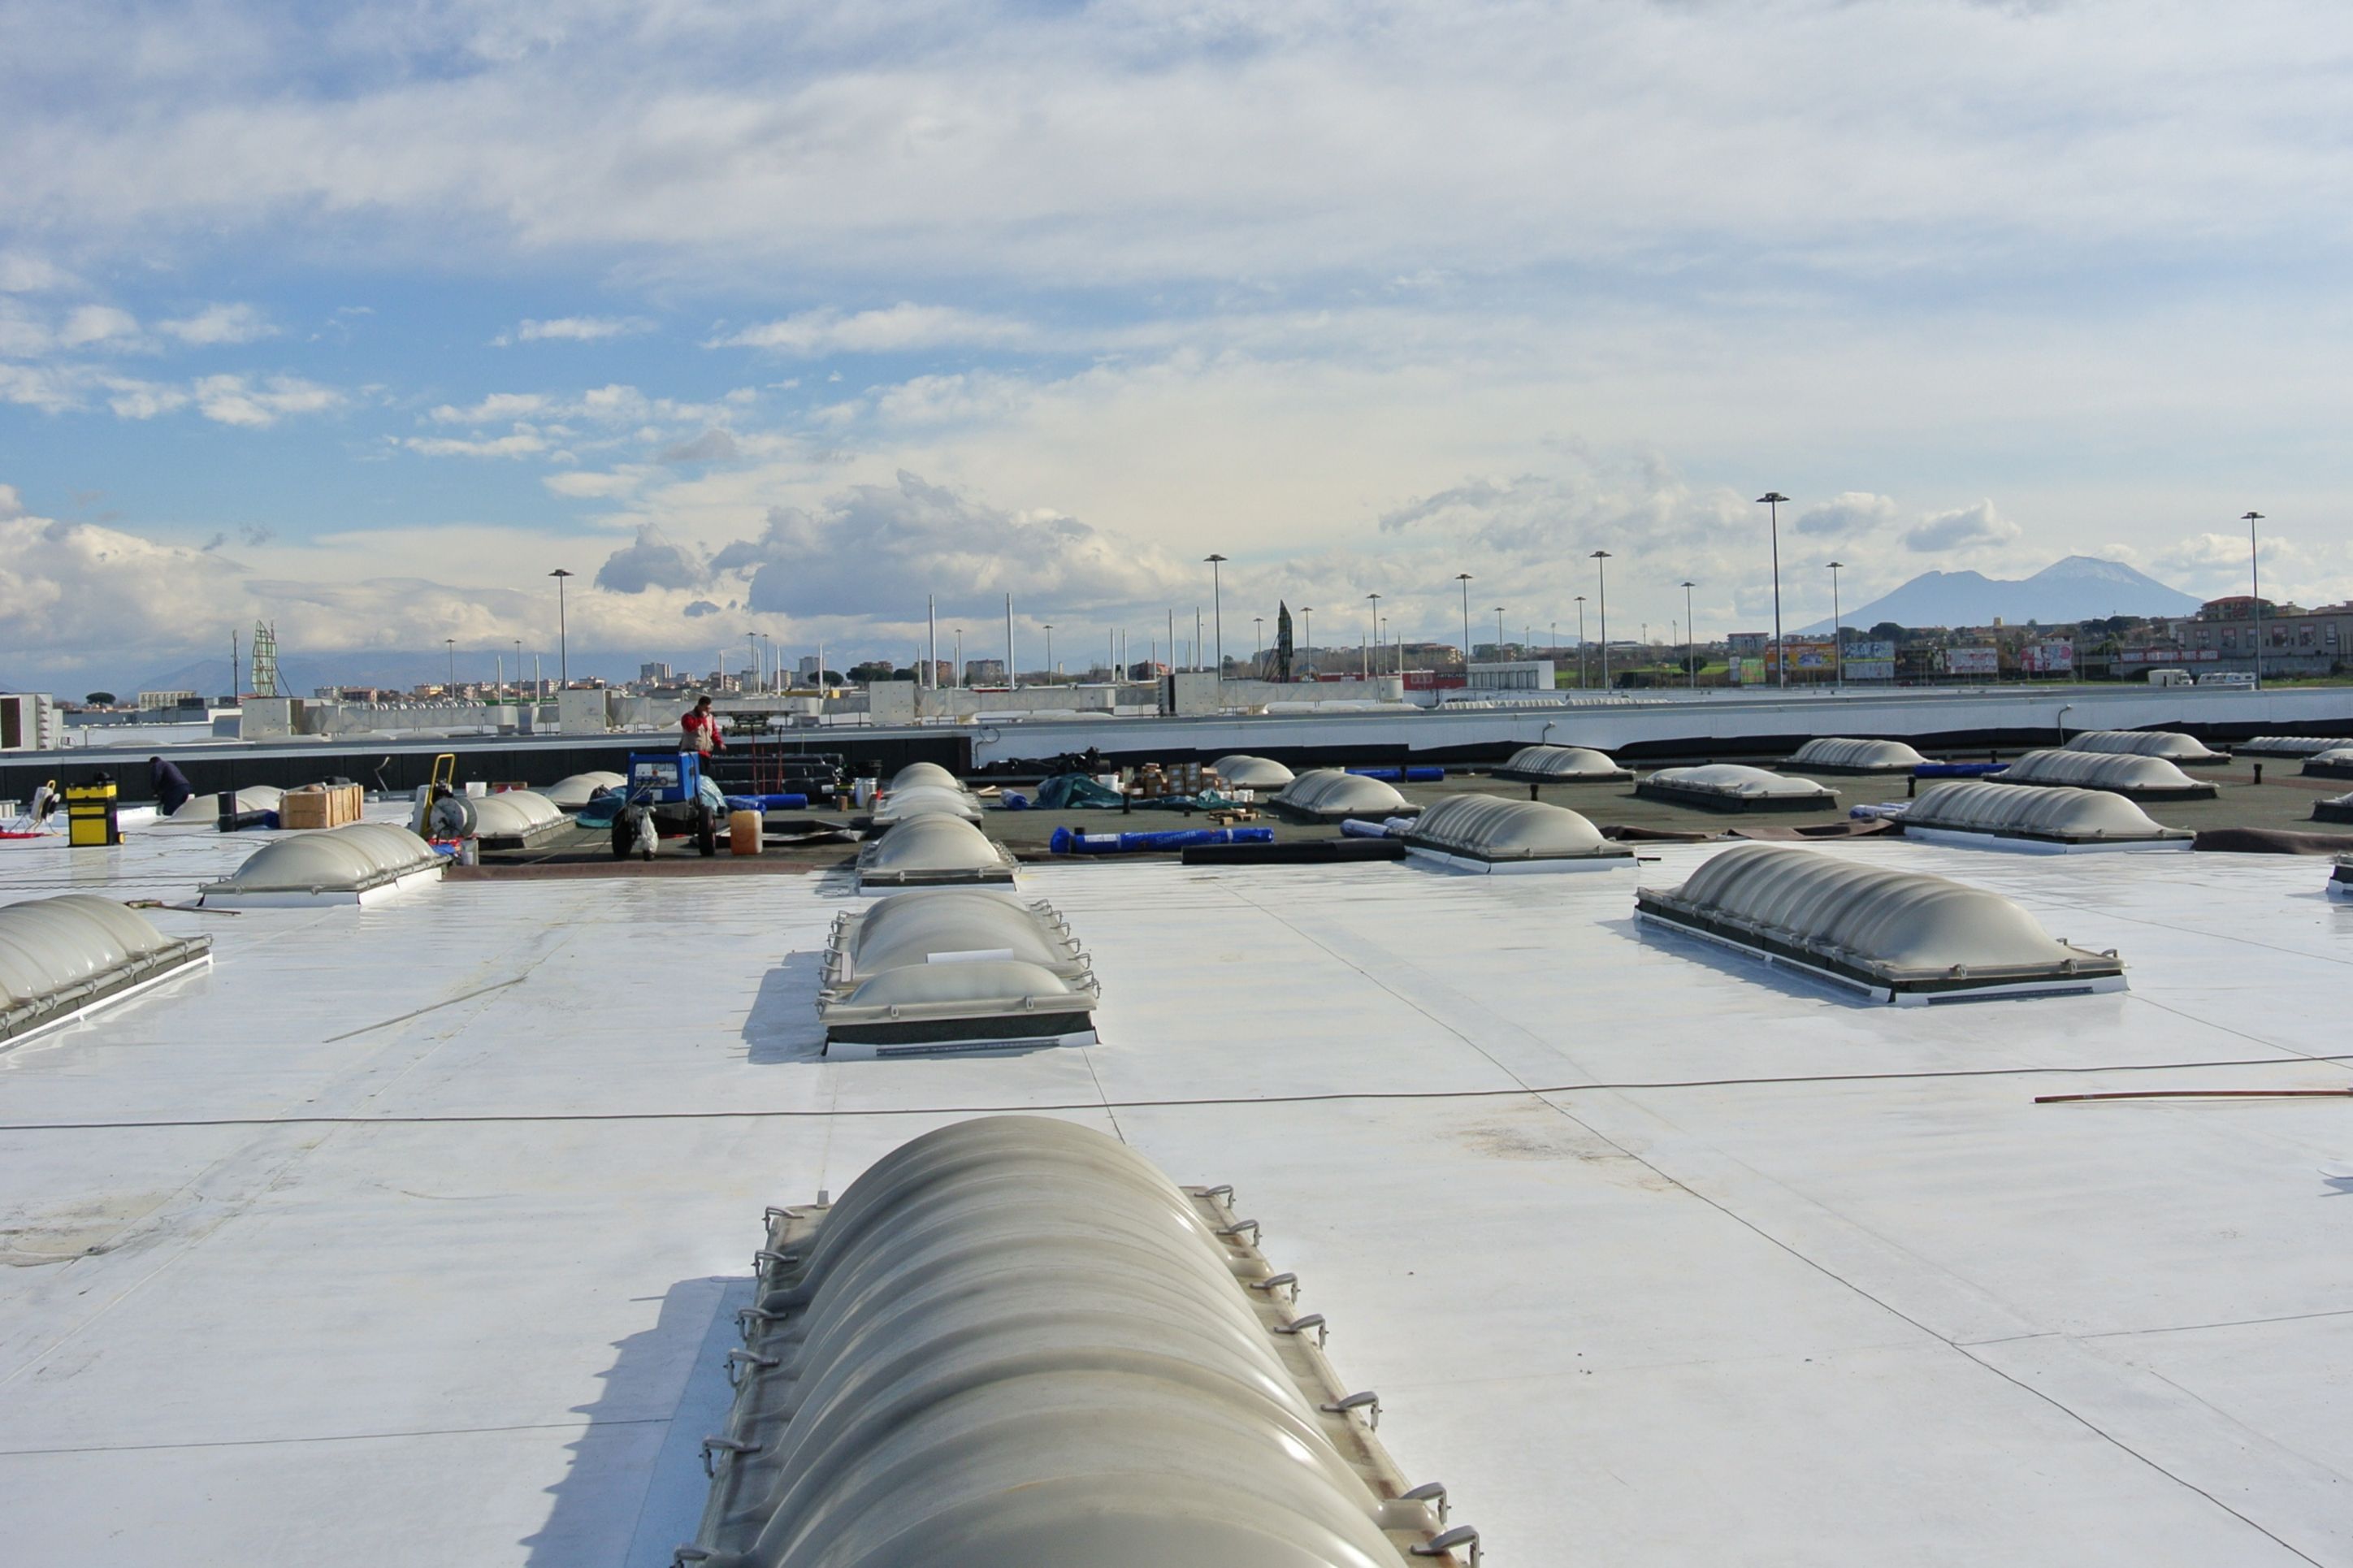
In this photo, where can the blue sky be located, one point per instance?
(777, 318)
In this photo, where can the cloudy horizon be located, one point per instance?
(778, 319)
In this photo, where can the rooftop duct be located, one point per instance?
(357, 864)
(931, 851)
(1487, 832)
(1327, 795)
(2043, 817)
(2173, 748)
(1731, 786)
(944, 925)
(925, 800)
(953, 969)
(1843, 754)
(1896, 936)
(2292, 746)
(2137, 778)
(1014, 1342)
(2330, 764)
(1560, 764)
(573, 793)
(63, 957)
(915, 774)
(205, 807)
(1245, 771)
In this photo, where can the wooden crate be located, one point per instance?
(320, 805)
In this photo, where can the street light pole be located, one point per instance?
(1307, 630)
(562, 635)
(1838, 633)
(1691, 637)
(451, 643)
(1464, 578)
(1601, 575)
(2255, 591)
(1048, 627)
(1217, 611)
(1257, 647)
(1772, 501)
(1374, 635)
(517, 642)
(1581, 642)
(1498, 634)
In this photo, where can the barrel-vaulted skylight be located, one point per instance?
(2173, 748)
(1327, 795)
(1845, 754)
(1734, 786)
(1560, 764)
(63, 957)
(2140, 778)
(357, 864)
(2042, 817)
(1488, 833)
(954, 968)
(929, 850)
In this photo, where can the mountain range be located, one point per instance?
(2079, 588)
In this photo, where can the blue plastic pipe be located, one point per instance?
(1066, 842)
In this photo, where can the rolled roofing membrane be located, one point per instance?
(2292, 746)
(1844, 754)
(1896, 936)
(932, 850)
(1245, 771)
(953, 969)
(1327, 795)
(1016, 1343)
(358, 864)
(2164, 743)
(2046, 817)
(2140, 778)
(1560, 764)
(63, 957)
(925, 800)
(1488, 833)
(1732, 786)
(572, 793)
(205, 807)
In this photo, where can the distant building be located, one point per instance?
(1516, 675)
(983, 672)
(151, 700)
(808, 668)
(654, 674)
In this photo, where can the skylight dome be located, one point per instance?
(930, 851)
(2045, 817)
(1731, 786)
(1488, 833)
(1560, 764)
(572, 793)
(2136, 777)
(206, 806)
(2173, 748)
(357, 864)
(925, 800)
(1843, 755)
(1245, 771)
(1896, 936)
(66, 956)
(940, 925)
(1327, 795)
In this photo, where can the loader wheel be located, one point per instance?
(706, 830)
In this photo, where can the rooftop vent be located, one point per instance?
(205, 807)
(573, 793)
(1896, 936)
(925, 800)
(2337, 763)
(2292, 746)
(357, 864)
(1487, 832)
(1843, 754)
(63, 957)
(1327, 795)
(930, 851)
(1014, 1341)
(1560, 764)
(953, 969)
(2138, 778)
(2048, 817)
(946, 925)
(2173, 748)
(1245, 771)
(1729, 787)
(915, 774)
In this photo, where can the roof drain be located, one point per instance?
(2046, 819)
(1895, 936)
(1487, 833)
(1117, 1397)
(64, 957)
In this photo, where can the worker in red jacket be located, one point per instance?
(702, 727)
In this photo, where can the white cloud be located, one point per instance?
(1963, 527)
(1847, 516)
(240, 400)
(522, 441)
(217, 324)
(588, 485)
(574, 329)
(143, 399)
(898, 329)
(654, 561)
(496, 408)
(91, 326)
(22, 273)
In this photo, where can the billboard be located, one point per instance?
(2048, 659)
(1859, 650)
(1973, 661)
(1745, 645)
(1749, 671)
(2167, 655)
(1871, 670)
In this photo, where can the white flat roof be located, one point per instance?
(412, 1233)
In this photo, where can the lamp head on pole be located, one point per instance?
(559, 571)
(1837, 565)
(1462, 576)
(1772, 498)
(2253, 517)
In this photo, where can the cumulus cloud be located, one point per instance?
(700, 609)
(496, 408)
(97, 326)
(522, 441)
(22, 273)
(1848, 515)
(217, 324)
(1963, 527)
(242, 400)
(589, 485)
(573, 329)
(871, 547)
(651, 561)
(713, 446)
(898, 329)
